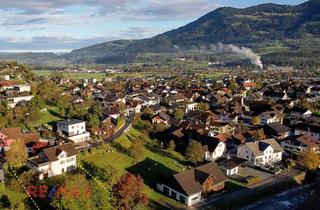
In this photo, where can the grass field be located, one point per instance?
(50, 114)
(155, 161)
(92, 75)
(212, 75)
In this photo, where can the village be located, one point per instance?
(188, 140)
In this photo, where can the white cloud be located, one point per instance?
(37, 17)
(58, 41)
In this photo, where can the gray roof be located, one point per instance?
(70, 121)
(258, 147)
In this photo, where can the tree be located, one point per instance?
(128, 192)
(171, 145)
(136, 149)
(233, 86)
(159, 127)
(202, 106)
(309, 159)
(17, 154)
(259, 134)
(148, 112)
(195, 152)
(71, 196)
(178, 113)
(93, 123)
(256, 120)
(33, 118)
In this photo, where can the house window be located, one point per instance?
(174, 195)
(166, 190)
(195, 198)
(62, 162)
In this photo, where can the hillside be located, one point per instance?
(280, 33)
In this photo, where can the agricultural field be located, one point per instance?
(93, 75)
(211, 75)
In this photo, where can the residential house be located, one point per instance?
(297, 112)
(113, 112)
(271, 94)
(264, 152)
(277, 130)
(190, 186)
(271, 117)
(299, 143)
(54, 161)
(74, 130)
(231, 166)
(313, 129)
(14, 93)
(9, 135)
(162, 117)
(213, 148)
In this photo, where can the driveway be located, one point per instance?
(247, 172)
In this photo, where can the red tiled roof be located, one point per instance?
(7, 83)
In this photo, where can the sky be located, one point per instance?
(63, 25)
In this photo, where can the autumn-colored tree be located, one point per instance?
(17, 154)
(128, 192)
(256, 121)
(74, 194)
(195, 152)
(309, 159)
(259, 134)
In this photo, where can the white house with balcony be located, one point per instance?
(74, 130)
(300, 143)
(54, 161)
(264, 152)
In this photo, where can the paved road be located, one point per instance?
(120, 131)
(288, 200)
(244, 192)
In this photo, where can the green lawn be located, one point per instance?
(212, 75)
(49, 115)
(155, 161)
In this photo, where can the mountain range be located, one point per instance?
(279, 33)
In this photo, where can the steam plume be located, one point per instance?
(246, 52)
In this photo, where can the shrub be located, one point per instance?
(253, 180)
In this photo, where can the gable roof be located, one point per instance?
(258, 147)
(163, 116)
(16, 133)
(305, 139)
(278, 127)
(52, 153)
(190, 182)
